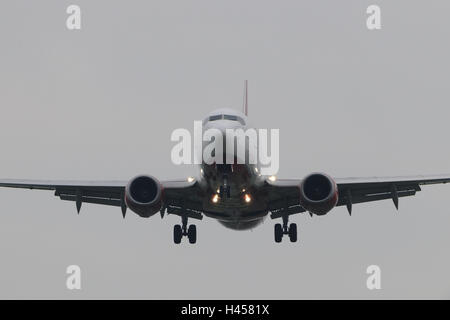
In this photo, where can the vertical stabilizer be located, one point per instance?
(246, 97)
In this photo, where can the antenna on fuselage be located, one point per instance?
(246, 97)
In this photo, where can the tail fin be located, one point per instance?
(246, 97)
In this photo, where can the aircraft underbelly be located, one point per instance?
(238, 217)
(242, 225)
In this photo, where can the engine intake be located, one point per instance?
(143, 195)
(318, 193)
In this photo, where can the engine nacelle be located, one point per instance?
(143, 195)
(318, 193)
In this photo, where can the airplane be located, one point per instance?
(236, 195)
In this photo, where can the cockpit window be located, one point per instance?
(229, 117)
(215, 117)
(225, 117)
(234, 118)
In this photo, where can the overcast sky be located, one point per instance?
(101, 103)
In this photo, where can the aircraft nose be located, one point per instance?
(225, 124)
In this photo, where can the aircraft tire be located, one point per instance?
(293, 232)
(177, 233)
(278, 232)
(192, 233)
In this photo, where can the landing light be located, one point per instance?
(273, 178)
(190, 179)
(215, 198)
(247, 198)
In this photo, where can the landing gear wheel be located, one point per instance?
(293, 232)
(278, 232)
(177, 233)
(192, 233)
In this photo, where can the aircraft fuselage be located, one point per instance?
(231, 190)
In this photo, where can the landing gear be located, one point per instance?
(182, 230)
(192, 233)
(278, 232)
(225, 191)
(177, 233)
(293, 232)
(289, 229)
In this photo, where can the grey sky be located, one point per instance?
(101, 103)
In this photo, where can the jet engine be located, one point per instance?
(143, 195)
(318, 193)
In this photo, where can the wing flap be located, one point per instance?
(103, 201)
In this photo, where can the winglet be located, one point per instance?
(246, 97)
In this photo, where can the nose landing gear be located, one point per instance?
(225, 190)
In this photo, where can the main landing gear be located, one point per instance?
(289, 229)
(183, 230)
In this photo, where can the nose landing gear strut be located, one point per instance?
(225, 190)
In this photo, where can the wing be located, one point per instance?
(100, 192)
(111, 193)
(283, 197)
(359, 190)
(283, 193)
(183, 197)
